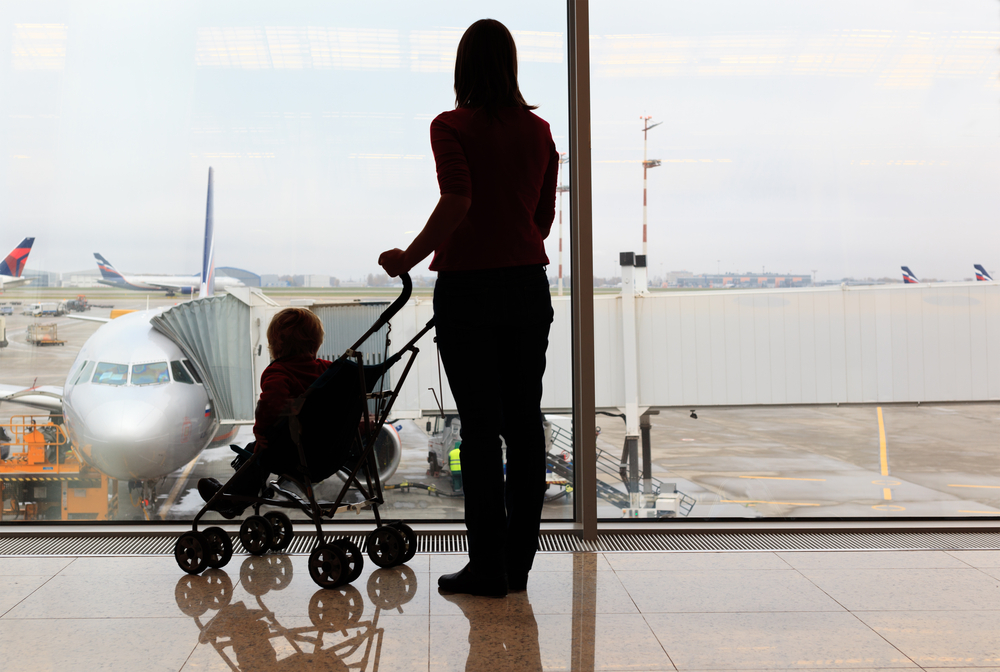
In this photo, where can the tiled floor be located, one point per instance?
(648, 611)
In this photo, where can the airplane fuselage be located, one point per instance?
(171, 284)
(132, 406)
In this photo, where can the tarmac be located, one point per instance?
(863, 461)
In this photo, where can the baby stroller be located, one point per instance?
(332, 427)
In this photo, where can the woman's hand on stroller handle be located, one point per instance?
(394, 262)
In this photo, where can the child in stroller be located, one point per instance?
(293, 339)
(305, 433)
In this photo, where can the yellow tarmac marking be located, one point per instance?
(888, 507)
(884, 459)
(783, 478)
(761, 501)
(886, 482)
(176, 490)
(886, 493)
(992, 513)
(956, 485)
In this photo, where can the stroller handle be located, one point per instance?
(388, 313)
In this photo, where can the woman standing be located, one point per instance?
(497, 168)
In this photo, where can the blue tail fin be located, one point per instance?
(908, 277)
(108, 271)
(981, 274)
(13, 263)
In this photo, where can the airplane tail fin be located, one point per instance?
(208, 257)
(108, 271)
(981, 274)
(908, 277)
(13, 263)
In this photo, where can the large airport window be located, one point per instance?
(314, 120)
(796, 310)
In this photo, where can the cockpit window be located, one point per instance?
(193, 371)
(154, 373)
(110, 374)
(180, 373)
(83, 375)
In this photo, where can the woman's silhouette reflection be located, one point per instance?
(251, 638)
(503, 636)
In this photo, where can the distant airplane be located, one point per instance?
(12, 266)
(171, 284)
(908, 277)
(981, 274)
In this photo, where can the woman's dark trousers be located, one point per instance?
(492, 333)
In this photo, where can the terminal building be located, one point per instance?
(738, 280)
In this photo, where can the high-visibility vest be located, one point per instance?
(454, 460)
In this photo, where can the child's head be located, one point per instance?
(294, 331)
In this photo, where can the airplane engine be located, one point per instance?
(388, 451)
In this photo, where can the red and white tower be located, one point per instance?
(646, 165)
(561, 189)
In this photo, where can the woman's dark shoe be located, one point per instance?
(517, 582)
(467, 582)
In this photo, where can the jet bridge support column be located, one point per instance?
(631, 278)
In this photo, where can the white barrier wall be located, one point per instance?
(886, 343)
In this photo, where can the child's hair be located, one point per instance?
(294, 331)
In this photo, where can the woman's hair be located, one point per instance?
(486, 69)
(294, 331)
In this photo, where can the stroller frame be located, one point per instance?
(339, 561)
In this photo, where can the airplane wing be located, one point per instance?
(44, 397)
(86, 318)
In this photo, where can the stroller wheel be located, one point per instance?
(411, 541)
(354, 557)
(220, 547)
(386, 546)
(328, 566)
(190, 552)
(282, 528)
(336, 610)
(256, 534)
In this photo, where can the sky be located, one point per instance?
(844, 137)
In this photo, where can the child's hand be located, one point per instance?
(393, 262)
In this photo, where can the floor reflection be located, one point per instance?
(250, 637)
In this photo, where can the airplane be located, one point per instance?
(908, 277)
(981, 274)
(12, 266)
(171, 284)
(134, 406)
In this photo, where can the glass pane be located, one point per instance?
(314, 119)
(150, 374)
(180, 374)
(111, 374)
(789, 169)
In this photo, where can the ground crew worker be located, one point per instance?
(33, 439)
(455, 464)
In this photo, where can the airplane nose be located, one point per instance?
(127, 438)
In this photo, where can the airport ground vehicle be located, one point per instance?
(79, 304)
(334, 428)
(48, 309)
(3, 332)
(42, 479)
(43, 334)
